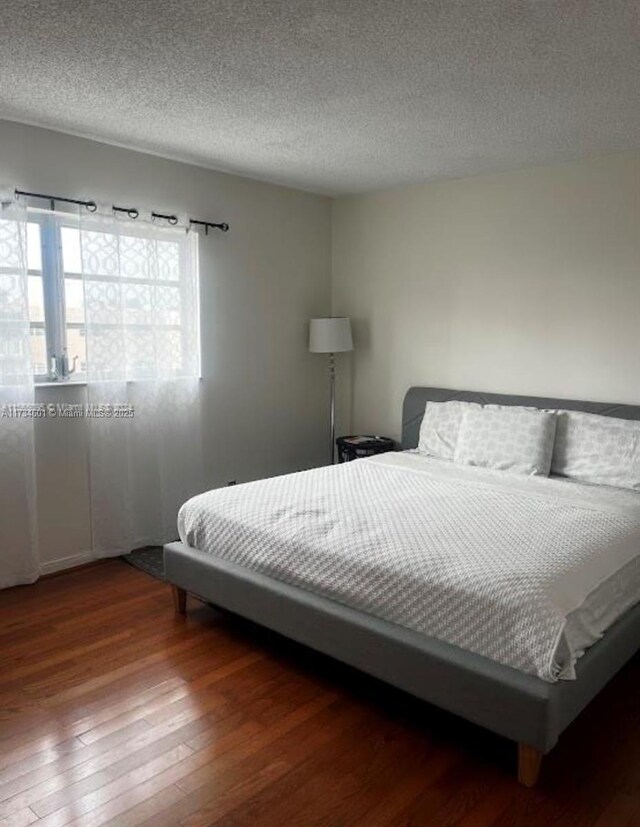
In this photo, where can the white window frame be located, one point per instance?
(53, 291)
(60, 368)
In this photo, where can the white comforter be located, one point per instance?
(527, 571)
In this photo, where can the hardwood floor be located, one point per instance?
(113, 710)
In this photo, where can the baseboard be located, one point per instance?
(72, 562)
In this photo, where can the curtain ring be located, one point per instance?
(131, 212)
(171, 219)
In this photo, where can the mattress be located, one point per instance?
(527, 571)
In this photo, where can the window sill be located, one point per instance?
(78, 384)
(82, 383)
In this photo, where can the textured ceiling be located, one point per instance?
(333, 96)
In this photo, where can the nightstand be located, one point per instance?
(355, 447)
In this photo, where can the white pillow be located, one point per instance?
(507, 439)
(440, 426)
(597, 449)
(516, 408)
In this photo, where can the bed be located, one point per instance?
(321, 557)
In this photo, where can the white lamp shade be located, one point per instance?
(332, 335)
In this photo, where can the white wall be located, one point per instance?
(264, 395)
(525, 282)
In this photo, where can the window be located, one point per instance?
(39, 357)
(110, 301)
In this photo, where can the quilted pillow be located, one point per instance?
(598, 449)
(440, 426)
(507, 439)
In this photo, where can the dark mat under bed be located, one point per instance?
(147, 559)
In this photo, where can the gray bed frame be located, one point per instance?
(521, 707)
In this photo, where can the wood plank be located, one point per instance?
(114, 711)
(116, 805)
(229, 795)
(303, 731)
(116, 789)
(90, 759)
(20, 819)
(426, 771)
(622, 811)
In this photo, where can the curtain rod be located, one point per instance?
(90, 205)
(132, 212)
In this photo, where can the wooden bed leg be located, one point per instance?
(179, 599)
(529, 761)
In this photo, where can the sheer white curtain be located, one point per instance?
(18, 526)
(141, 323)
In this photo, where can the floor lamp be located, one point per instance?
(331, 335)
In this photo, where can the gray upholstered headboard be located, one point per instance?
(416, 399)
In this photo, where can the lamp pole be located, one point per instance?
(332, 383)
(330, 335)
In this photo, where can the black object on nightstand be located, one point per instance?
(355, 447)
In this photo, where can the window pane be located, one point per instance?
(74, 300)
(100, 256)
(11, 244)
(168, 305)
(12, 298)
(168, 260)
(77, 346)
(129, 300)
(103, 302)
(36, 300)
(169, 349)
(38, 350)
(137, 304)
(71, 258)
(136, 257)
(34, 251)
